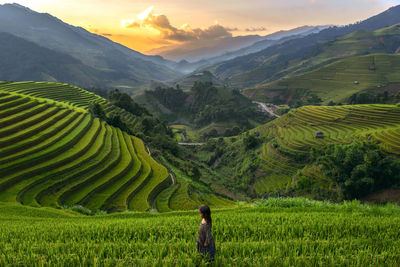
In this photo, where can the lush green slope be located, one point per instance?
(37, 63)
(205, 107)
(56, 156)
(386, 40)
(304, 54)
(277, 233)
(54, 153)
(291, 136)
(337, 81)
(62, 93)
(187, 82)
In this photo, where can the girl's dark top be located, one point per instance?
(206, 236)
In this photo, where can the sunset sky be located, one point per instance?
(146, 24)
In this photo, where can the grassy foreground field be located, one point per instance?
(277, 232)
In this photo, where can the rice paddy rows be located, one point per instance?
(298, 128)
(56, 156)
(62, 94)
(296, 132)
(53, 153)
(59, 92)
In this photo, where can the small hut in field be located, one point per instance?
(319, 134)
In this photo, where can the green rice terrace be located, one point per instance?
(274, 232)
(296, 133)
(338, 81)
(54, 153)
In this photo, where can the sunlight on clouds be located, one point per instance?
(131, 23)
(126, 22)
(159, 25)
(145, 13)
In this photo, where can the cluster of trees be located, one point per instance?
(235, 160)
(139, 123)
(358, 169)
(371, 98)
(206, 103)
(171, 98)
(298, 97)
(126, 102)
(189, 167)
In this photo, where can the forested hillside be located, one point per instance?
(285, 156)
(203, 105)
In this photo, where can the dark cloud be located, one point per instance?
(256, 29)
(107, 34)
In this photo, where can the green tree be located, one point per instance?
(96, 110)
(124, 101)
(250, 141)
(359, 168)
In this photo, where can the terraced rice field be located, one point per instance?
(296, 131)
(336, 81)
(63, 93)
(53, 153)
(67, 96)
(55, 156)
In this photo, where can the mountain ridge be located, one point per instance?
(94, 50)
(274, 62)
(226, 53)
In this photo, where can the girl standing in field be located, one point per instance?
(205, 240)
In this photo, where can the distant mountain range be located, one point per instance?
(98, 61)
(294, 56)
(98, 53)
(364, 61)
(199, 50)
(197, 55)
(22, 60)
(37, 46)
(228, 46)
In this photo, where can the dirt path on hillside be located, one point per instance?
(172, 177)
(191, 144)
(268, 108)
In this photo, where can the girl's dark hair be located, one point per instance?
(205, 210)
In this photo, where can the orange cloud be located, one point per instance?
(148, 20)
